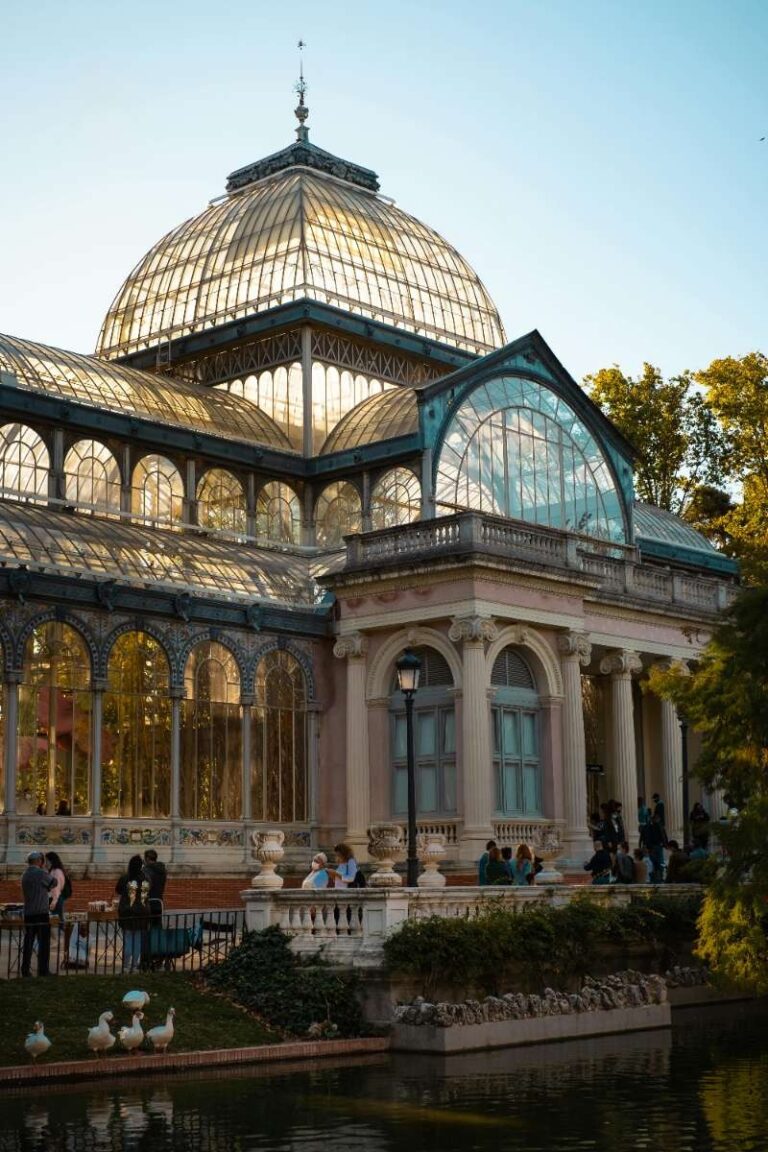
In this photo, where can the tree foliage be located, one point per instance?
(726, 699)
(675, 433)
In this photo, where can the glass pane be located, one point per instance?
(401, 791)
(531, 801)
(426, 799)
(530, 738)
(511, 802)
(449, 786)
(449, 731)
(400, 740)
(511, 733)
(426, 744)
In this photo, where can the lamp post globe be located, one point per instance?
(408, 670)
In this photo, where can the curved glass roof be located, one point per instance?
(392, 413)
(651, 523)
(301, 233)
(71, 545)
(159, 398)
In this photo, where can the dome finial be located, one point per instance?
(301, 111)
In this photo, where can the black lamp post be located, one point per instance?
(683, 721)
(408, 669)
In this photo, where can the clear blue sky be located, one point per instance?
(597, 162)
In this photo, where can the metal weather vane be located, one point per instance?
(301, 111)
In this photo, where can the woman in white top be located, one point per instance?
(343, 875)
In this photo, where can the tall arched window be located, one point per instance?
(24, 464)
(3, 799)
(92, 478)
(158, 491)
(395, 499)
(515, 714)
(434, 738)
(279, 746)
(54, 730)
(211, 736)
(338, 513)
(278, 514)
(515, 448)
(136, 730)
(221, 502)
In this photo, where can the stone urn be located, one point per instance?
(386, 845)
(268, 850)
(430, 849)
(547, 846)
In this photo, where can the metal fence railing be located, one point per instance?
(95, 943)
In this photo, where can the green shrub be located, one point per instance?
(288, 991)
(501, 949)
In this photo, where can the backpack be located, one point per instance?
(359, 880)
(66, 891)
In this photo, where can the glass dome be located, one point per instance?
(301, 233)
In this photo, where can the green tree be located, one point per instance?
(726, 700)
(675, 433)
(737, 393)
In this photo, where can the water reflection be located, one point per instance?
(701, 1087)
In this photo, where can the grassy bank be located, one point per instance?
(69, 1006)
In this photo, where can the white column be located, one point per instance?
(620, 666)
(99, 688)
(476, 765)
(176, 698)
(353, 649)
(575, 652)
(671, 771)
(11, 747)
(246, 703)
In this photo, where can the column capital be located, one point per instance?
(472, 629)
(352, 646)
(622, 662)
(575, 645)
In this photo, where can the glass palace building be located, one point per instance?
(304, 443)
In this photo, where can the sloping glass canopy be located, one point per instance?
(99, 384)
(651, 523)
(74, 546)
(392, 413)
(298, 234)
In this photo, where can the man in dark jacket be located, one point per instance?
(36, 884)
(155, 874)
(652, 837)
(600, 865)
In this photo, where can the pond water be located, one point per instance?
(702, 1085)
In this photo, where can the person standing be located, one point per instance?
(652, 837)
(522, 869)
(57, 897)
(343, 875)
(482, 863)
(659, 815)
(133, 912)
(643, 812)
(36, 885)
(601, 864)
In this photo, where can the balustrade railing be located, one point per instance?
(615, 566)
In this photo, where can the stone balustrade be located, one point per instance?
(614, 567)
(349, 927)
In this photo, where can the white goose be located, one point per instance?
(131, 1038)
(100, 1038)
(161, 1036)
(136, 999)
(37, 1042)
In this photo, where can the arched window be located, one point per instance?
(136, 730)
(434, 739)
(3, 799)
(54, 729)
(221, 502)
(92, 478)
(515, 448)
(396, 499)
(278, 514)
(211, 736)
(158, 492)
(24, 464)
(279, 747)
(515, 715)
(338, 513)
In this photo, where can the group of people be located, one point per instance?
(25, 806)
(45, 888)
(613, 861)
(346, 874)
(498, 866)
